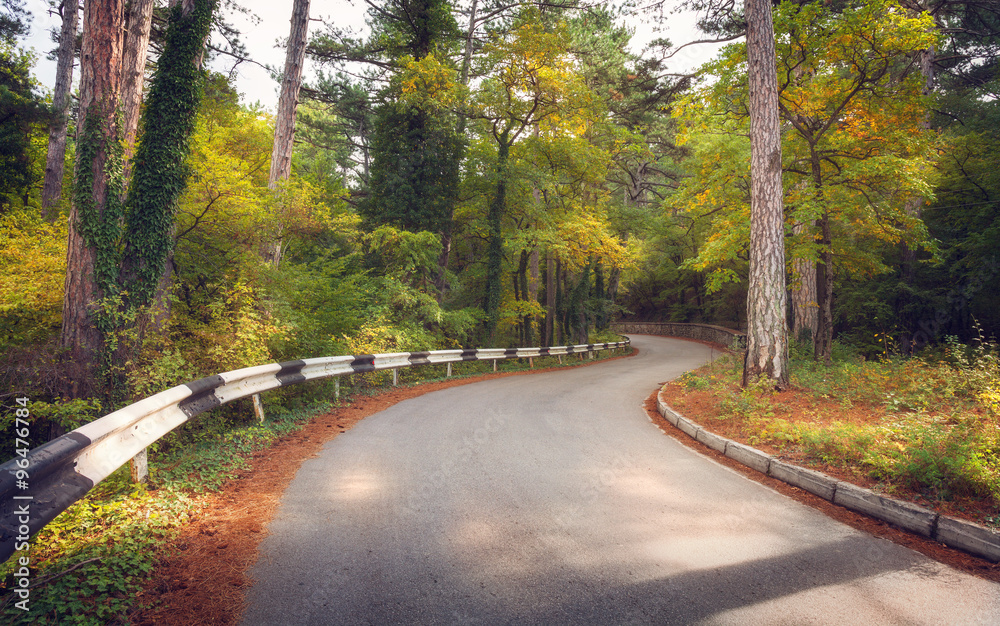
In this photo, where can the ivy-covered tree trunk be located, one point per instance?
(95, 213)
(440, 280)
(767, 333)
(521, 289)
(284, 123)
(61, 102)
(558, 332)
(159, 171)
(532, 320)
(600, 297)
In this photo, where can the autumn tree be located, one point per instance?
(855, 151)
(415, 147)
(288, 101)
(530, 79)
(847, 93)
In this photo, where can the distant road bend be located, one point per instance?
(551, 499)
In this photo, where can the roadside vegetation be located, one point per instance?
(924, 428)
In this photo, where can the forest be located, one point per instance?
(477, 174)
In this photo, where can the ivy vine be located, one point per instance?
(101, 226)
(159, 169)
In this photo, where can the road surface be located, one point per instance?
(551, 499)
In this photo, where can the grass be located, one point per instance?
(88, 565)
(926, 429)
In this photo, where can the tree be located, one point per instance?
(417, 140)
(96, 211)
(530, 79)
(848, 96)
(14, 20)
(288, 101)
(22, 109)
(160, 173)
(22, 112)
(767, 334)
(56, 156)
(138, 22)
(416, 152)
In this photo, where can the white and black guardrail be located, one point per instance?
(35, 488)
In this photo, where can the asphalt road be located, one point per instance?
(551, 499)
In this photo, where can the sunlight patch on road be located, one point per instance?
(355, 486)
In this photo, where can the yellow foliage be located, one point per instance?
(240, 331)
(32, 270)
(428, 82)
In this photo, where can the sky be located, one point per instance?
(256, 84)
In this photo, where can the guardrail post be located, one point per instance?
(494, 365)
(531, 362)
(139, 467)
(449, 371)
(258, 408)
(336, 388)
(395, 377)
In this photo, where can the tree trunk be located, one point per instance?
(914, 207)
(100, 89)
(527, 336)
(441, 278)
(804, 306)
(548, 330)
(159, 173)
(494, 261)
(284, 124)
(557, 317)
(56, 157)
(137, 24)
(767, 333)
(823, 347)
(532, 321)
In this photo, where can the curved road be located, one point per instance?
(551, 499)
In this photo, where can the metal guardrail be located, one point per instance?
(35, 488)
